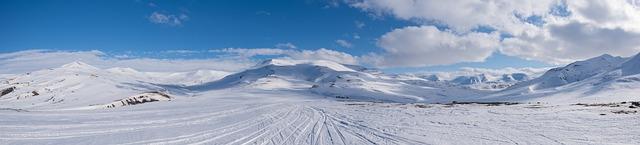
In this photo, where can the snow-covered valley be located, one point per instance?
(282, 101)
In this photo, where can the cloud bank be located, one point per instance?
(426, 45)
(228, 59)
(552, 31)
(32, 60)
(319, 54)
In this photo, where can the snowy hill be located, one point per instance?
(468, 80)
(303, 102)
(599, 79)
(335, 80)
(79, 85)
(574, 72)
(72, 85)
(181, 78)
(632, 66)
(478, 81)
(481, 82)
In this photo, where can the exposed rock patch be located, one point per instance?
(7, 91)
(140, 99)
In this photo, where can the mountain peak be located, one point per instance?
(278, 62)
(78, 65)
(290, 62)
(574, 72)
(605, 58)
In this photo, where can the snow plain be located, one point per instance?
(298, 102)
(227, 117)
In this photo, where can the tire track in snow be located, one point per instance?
(202, 134)
(365, 133)
(127, 127)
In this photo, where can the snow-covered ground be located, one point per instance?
(243, 117)
(318, 102)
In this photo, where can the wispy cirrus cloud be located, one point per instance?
(359, 24)
(167, 19)
(287, 45)
(344, 43)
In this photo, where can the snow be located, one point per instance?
(283, 101)
(575, 72)
(78, 65)
(288, 62)
(139, 99)
(598, 79)
(242, 117)
(479, 79)
(182, 78)
(632, 66)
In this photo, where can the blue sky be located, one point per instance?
(125, 27)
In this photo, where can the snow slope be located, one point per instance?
(604, 78)
(314, 102)
(600, 79)
(632, 66)
(73, 85)
(336, 80)
(481, 82)
(182, 78)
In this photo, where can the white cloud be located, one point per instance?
(332, 3)
(426, 45)
(588, 29)
(32, 60)
(624, 14)
(565, 43)
(264, 13)
(319, 54)
(325, 54)
(230, 60)
(344, 43)
(151, 4)
(181, 51)
(359, 24)
(460, 15)
(168, 19)
(356, 36)
(251, 52)
(287, 45)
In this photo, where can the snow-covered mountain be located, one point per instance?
(631, 66)
(81, 85)
(336, 80)
(478, 81)
(72, 85)
(597, 79)
(574, 72)
(310, 102)
(182, 78)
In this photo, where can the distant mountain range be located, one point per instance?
(81, 86)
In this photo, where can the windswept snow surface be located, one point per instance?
(301, 102)
(273, 117)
